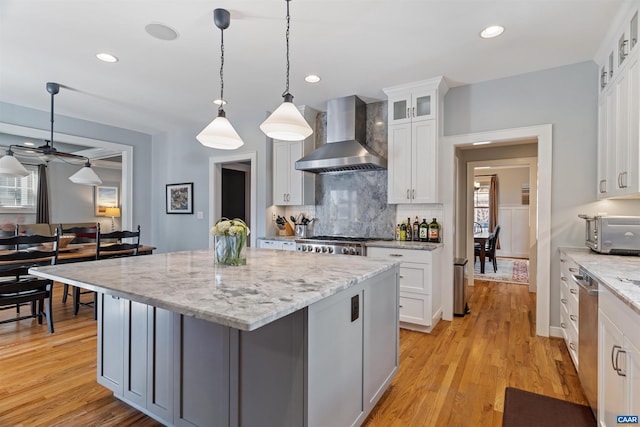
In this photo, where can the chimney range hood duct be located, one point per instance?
(346, 133)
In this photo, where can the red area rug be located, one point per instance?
(510, 270)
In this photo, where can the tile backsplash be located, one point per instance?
(355, 203)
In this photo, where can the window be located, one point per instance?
(481, 204)
(19, 194)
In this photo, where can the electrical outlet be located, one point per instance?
(274, 216)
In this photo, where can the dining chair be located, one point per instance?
(111, 245)
(477, 227)
(108, 245)
(492, 247)
(85, 233)
(17, 286)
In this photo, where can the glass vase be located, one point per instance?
(229, 249)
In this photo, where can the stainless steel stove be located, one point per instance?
(336, 245)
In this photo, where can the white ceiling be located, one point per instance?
(356, 46)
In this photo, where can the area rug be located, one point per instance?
(510, 270)
(525, 409)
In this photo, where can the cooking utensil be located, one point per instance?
(293, 219)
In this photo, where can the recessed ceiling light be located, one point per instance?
(161, 31)
(312, 78)
(481, 143)
(106, 57)
(220, 102)
(492, 31)
(29, 143)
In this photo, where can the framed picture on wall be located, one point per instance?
(105, 197)
(180, 198)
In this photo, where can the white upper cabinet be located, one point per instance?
(619, 112)
(415, 120)
(291, 186)
(410, 106)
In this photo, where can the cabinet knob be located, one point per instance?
(572, 346)
(573, 317)
(573, 291)
(408, 113)
(408, 194)
(563, 325)
(562, 300)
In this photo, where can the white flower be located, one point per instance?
(226, 227)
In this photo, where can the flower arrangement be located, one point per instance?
(230, 238)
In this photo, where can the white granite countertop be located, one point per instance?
(399, 244)
(608, 269)
(272, 285)
(284, 238)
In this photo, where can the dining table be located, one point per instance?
(481, 238)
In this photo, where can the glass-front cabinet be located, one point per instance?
(411, 107)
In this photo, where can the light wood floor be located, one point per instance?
(454, 376)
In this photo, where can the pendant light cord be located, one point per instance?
(52, 95)
(221, 70)
(286, 91)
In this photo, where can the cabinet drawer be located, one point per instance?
(288, 246)
(569, 303)
(414, 308)
(415, 278)
(403, 255)
(270, 244)
(570, 333)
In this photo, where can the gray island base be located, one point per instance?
(284, 341)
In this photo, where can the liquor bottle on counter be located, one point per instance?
(434, 231)
(403, 231)
(398, 232)
(416, 230)
(409, 230)
(424, 230)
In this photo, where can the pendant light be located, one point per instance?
(286, 122)
(220, 133)
(11, 167)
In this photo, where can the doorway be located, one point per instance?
(517, 204)
(455, 222)
(236, 191)
(232, 190)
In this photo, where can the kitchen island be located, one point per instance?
(283, 341)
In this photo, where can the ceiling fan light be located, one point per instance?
(85, 176)
(220, 134)
(286, 123)
(11, 167)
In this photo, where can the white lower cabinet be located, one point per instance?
(618, 359)
(569, 307)
(285, 245)
(420, 301)
(326, 365)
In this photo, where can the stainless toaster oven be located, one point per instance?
(615, 235)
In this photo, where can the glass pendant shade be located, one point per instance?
(220, 134)
(286, 124)
(11, 167)
(85, 176)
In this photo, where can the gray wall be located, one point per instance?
(141, 143)
(179, 157)
(567, 98)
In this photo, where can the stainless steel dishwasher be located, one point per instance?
(588, 336)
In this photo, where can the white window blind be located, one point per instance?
(19, 194)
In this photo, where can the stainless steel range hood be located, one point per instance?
(346, 133)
